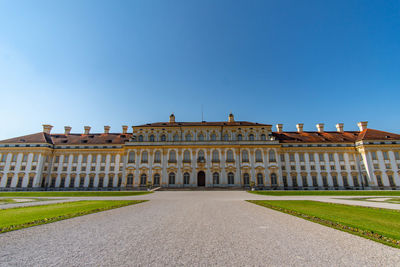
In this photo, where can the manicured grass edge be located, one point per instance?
(66, 216)
(33, 194)
(361, 193)
(336, 225)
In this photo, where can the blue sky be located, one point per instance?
(130, 62)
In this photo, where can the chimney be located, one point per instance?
(231, 118)
(172, 118)
(67, 130)
(339, 127)
(124, 129)
(279, 128)
(47, 128)
(299, 127)
(87, 129)
(362, 125)
(107, 129)
(320, 127)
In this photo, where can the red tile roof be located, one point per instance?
(284, 137)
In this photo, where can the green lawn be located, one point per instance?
(17, 218)
(73, 193)
(327, 193)
(382, 225)
(12, 200)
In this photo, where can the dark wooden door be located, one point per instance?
(201, 179)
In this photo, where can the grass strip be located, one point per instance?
(73, 193)
(22, 217)
(380, 225)
(327, 193)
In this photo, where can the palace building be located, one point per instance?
(228, 154)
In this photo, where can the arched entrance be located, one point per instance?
(201, 179)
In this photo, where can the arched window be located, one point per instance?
(157, 157)
(188, 137)
(260, 179)
(163, 138)
(213, 137)
(215, 178)
(171, 178)
(263, 138)
(129, 180)
(131, 157)
(246, 179)
(143, 179)
(239, 137)
(271, 155)
(258, 156)
(200, 137)
(229, 156)
(245, 156)
(226, 137)
(172, 156)
(156, 180)
(201, 157)
(251, 137)
(273, 179)
(215, 156)
(186, 178)
(231, 178)
(144, 157)
(186, 156)
(176, 137)
(140, 138)
(151, 138)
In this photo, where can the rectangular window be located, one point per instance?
(292, 168)
(93, 169)
(110, 181)
(303, 168)
(345, 181)
(331, 158)
(62, 183)
(353, 167)
(103, 158)
(388, 166)
(291, 157)
(35, 157)
(341, 157)
(332, 167)
(71, 182)
(342, 167)
(14, 158)
(91, 182)
(9, 181)
(391, 181)
(325, 181)
(23, 168)
(385, 155)
(74, 169)
(93, 158)
(83, 168)
(33, 168)
(4, 157)
(53, 182)
(335, 182)
(113, 158)
(84, 159)
(312, 167)
(285, 183)
(75, 159)
(373, 154)
(311, 156)
(314, 181)
(304, 180)
(12, 168)
(55, 169)
(81, 181)
(379, 180)
(283, 168)
(294, 181)
(355, 181)
(301, 156)
(66, 159)
(30, 182)
(64, 169)
(322, 167)
(102, 168)
(57, 160)
(321, 157)
(25, 158)
(101, 182)
(19, 183)
(111, 168)
(396, 155)
(376, 166)
(282, 157)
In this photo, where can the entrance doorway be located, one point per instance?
(201, 179)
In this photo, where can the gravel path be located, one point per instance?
(186, 229)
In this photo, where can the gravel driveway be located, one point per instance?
(190, 228)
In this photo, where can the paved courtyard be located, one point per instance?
(191, 228)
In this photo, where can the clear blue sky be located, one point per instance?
(130, 62)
